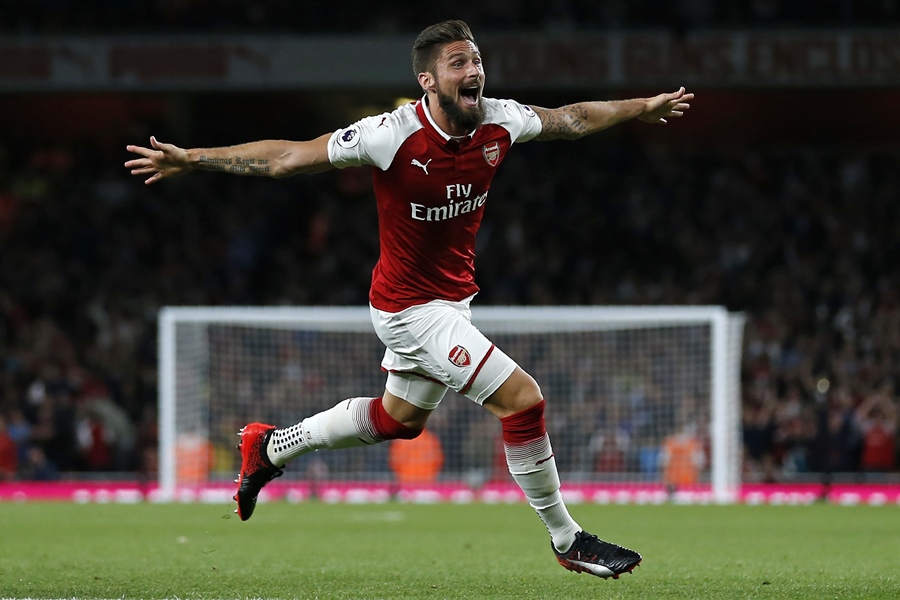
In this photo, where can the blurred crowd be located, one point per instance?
(355, 16)
(802, 239)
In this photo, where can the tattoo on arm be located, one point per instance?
(567, 122)
(236, 165)
(213, 164)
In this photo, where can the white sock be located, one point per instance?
(533, 467)
(345, 425)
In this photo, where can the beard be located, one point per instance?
(467, 118)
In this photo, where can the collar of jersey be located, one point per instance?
(442, 133)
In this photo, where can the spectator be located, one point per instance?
(837, 443)
(36, 467)
(93, 441)
(876, 418)
(610, 448)
(418, 460)
(682, 458)
(9, 459)
(758, 431)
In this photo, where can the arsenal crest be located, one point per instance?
(460, 357)
(491, 153)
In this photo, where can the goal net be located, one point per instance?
(645, 395)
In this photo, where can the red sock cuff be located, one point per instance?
(385, 426)
(525, 426)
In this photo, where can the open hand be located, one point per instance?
(159, 161)
(659, 108)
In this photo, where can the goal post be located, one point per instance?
(620, 382)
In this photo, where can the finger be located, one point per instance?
(156, 177)
(137, 163)
(677, 94)
(144, 171)
(678, 108)
(140, 150)
(161, 146)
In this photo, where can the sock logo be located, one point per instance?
(460, 357)
(543, 460)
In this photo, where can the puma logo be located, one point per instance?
(424, 167)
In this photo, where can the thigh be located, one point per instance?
(415, 388)
(438, 341)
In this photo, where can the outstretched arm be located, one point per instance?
(584, 118)
(268, 158)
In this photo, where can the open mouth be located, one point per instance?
(470, 95)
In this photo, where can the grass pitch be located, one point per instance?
(314, 550)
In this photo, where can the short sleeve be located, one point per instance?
(519, 119)
(370, 141)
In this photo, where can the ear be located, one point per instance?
(426, 81)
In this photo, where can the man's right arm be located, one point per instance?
(267, 158)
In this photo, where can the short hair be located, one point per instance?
(425, 48)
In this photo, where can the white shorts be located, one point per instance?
(434, 346)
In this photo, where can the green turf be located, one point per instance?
(314, 550)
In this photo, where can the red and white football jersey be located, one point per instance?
(431, 190)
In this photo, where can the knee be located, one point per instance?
(397, 419)
(519, 392)
(526, 395)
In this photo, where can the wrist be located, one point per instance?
(643, 106)
(193, 157)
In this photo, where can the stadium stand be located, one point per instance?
(356, 16)
(802, 239)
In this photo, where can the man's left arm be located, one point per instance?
(574, 121)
